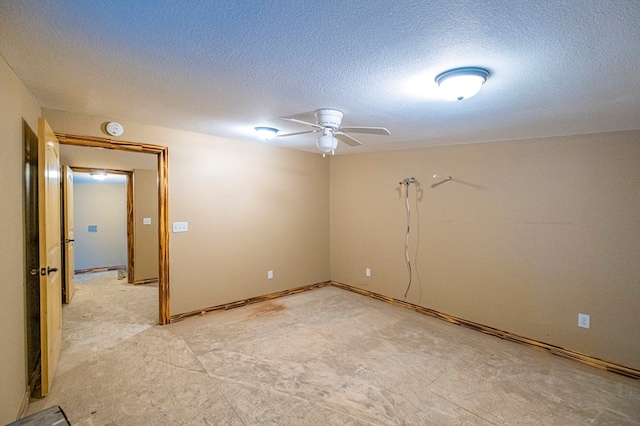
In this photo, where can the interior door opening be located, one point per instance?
(162, 200)
(103, 218)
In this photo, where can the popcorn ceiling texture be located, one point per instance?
(221, 68)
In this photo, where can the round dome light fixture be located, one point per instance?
(99, 175)
(461, 83)
(266, 133)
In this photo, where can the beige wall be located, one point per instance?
(250, 208)
(105, 206)
(145, 242)
(15, 104)
(526, 236)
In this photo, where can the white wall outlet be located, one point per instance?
(146, 221)
(367, 272)
(180, 226)
(584, 321)
(269, 275)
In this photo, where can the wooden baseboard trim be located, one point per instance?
(147, 281)
(103, 269)
(257, 299)
(555, 350)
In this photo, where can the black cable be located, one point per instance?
(406, 241)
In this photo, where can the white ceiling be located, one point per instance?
(558, 67)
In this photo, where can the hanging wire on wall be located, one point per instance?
(405, 184)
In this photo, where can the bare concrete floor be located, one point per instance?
(324, 357)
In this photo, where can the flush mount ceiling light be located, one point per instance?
(99, 176)
(461, 83)
(266, 133)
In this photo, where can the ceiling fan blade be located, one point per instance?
(298, 133)
(347, 139)
(295, 120)
(368, 130)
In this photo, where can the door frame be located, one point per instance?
(162, 153)
(68, 244)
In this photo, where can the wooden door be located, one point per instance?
(50, 252)
(68, 235)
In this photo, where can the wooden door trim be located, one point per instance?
(162, 153)
(64, 212)
(99, 169)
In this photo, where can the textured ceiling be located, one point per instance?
(223, 67)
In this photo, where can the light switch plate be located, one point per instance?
(180, 226)
(146, 221)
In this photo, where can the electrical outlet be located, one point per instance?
(367, 272)
(269, 275)
(146, 221)
(584, 321)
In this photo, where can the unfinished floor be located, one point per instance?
(323, 357)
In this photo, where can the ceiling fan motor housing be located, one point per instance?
(329, 117)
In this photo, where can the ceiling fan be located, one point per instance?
(329, 122)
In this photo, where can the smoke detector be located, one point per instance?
(114, 128)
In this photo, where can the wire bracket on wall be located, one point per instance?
(405, 184)
(437, 176)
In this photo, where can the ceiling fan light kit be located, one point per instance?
(266, 133)
(461, 83)
(327, 143)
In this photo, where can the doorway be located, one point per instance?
(116, 216)
(103, 216)
(161, 154)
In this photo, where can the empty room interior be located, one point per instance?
(358, 213)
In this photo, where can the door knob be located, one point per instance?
(50, 270)
(34, 271)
